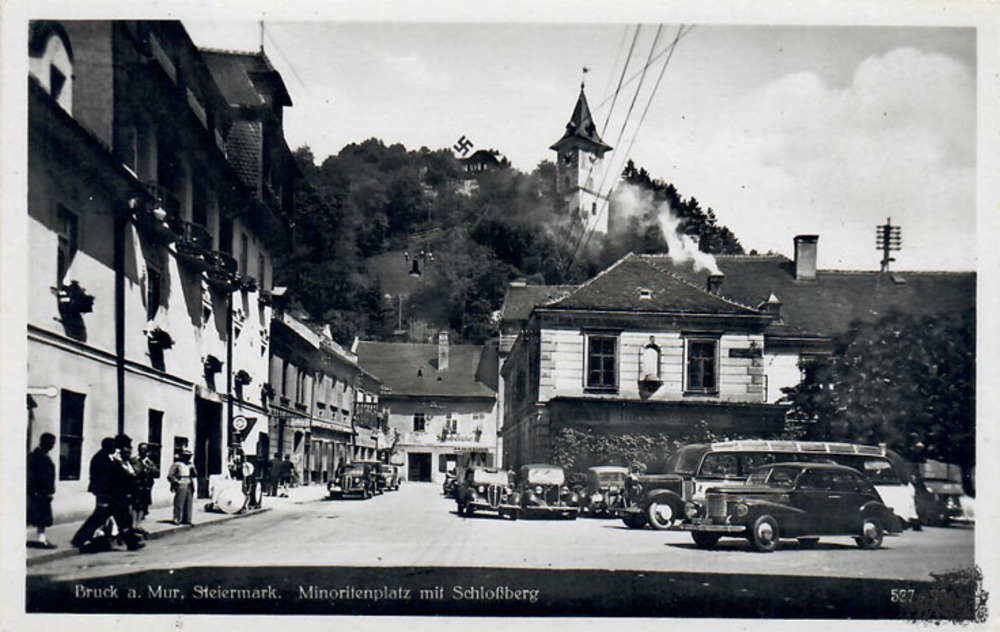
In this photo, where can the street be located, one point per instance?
(415, 534)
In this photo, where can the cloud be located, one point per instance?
(414, 69)
(800, 156)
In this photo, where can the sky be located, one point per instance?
(781, 130)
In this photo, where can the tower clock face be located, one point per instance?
(569, 158)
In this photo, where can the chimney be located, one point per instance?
(805, 257)
(442, 351)
(715, 283)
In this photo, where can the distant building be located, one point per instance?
(324, 409)
(442, 402)
(580, 170)
(150, 255)
(650, 347)
(484, 160)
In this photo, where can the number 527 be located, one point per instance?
(901, 595)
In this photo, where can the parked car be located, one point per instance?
(795, 500)
(487, 489)
(543, 491)
(353, 480)
(941, 498)
(388, 476)
(665, 500)
(605, 489)
(378, 482)
(450, 485)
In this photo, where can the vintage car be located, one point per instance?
(353, 480)
(487, 489)
(662, 500)
(795, 500)
(605, 486)
(378, 482)
(388, 477)
(941, 497)
(543, 492)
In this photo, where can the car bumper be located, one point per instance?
(541, 509)
(485, 506)
(715, 528)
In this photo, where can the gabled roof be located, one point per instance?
(521, 299)
(581, 127)
(829, 304)
(411, 369)
(634, 284)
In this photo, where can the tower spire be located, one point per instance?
(583, 78)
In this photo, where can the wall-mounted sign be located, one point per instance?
(752, 352)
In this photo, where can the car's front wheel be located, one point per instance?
(661, 515)
(871, 534)
(764, 534)
(705, 540)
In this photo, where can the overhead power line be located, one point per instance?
(669, 51)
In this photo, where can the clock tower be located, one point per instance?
(580, 169)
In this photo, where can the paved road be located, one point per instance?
(417, 526)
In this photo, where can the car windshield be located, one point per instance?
(610, 478)
(720, 465)
(545, 476)
(486, 477)
(685, 460)
(774, 476)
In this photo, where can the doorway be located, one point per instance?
(420, 467)
(207, 442)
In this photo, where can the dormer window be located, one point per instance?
(645, 294)
(50, 61)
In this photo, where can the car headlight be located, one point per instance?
(539, 490)
(691, 510)
(740, 510)
(481, 489)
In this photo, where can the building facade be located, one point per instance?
(651, 347)
(324, 409)
(150, 258)
(441, 400)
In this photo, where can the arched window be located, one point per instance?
(649, 362)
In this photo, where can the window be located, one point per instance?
(153, 288)
(154, 436)
(199, 201)
(226, 236)
(261, 272)
(450, 424)
(67, 227)
(419, 422)
(71, 406)
(602, 369)
(57, 80)
(702, 366)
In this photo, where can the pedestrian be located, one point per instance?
(41, 488)
(273, 476)
(112, 482)
(182, 477)
(146, 473)
(285, 471)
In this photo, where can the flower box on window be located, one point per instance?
(212, 365)
(74, 299)
(242, 378)
(159, 338)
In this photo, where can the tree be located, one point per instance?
(902, 381)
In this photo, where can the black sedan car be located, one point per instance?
(487, 489)
(543, 492)
(353, 480)
(795, 500)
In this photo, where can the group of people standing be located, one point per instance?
(122, 485)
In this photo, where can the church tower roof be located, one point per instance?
(581, 131)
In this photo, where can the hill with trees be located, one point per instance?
(364, 215)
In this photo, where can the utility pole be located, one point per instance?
(887, 239)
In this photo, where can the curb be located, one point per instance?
(58, 554)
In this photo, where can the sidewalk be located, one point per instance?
(158, 523)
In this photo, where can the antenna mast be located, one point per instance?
(888, 238)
